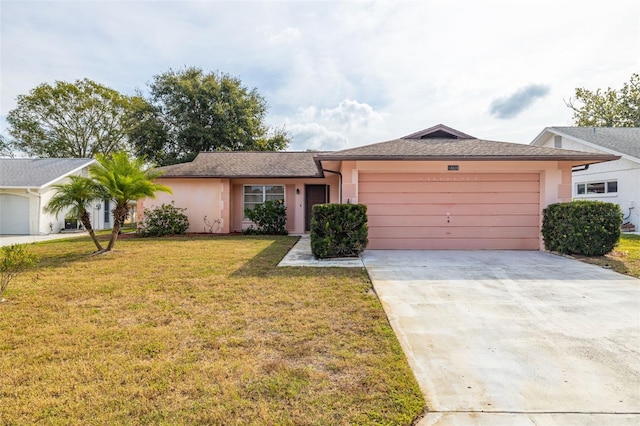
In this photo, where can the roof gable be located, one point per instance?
(616, 140)
(439, 131)
(38, 172)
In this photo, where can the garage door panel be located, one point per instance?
(439, 177)
(485, 232)
(14, 214)
(485, 210)
(455, 210)
(455, 220)
(439, 187)
(455, 244)
(455, 198)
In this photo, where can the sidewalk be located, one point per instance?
(300, 255)
(7, 240)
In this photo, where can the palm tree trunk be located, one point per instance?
(86, 221)
(119, 216)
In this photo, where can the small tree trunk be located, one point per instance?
(119, 216)
(86, 221)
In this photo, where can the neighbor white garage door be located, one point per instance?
(452, 211)
(14, 214)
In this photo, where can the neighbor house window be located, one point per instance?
(107, 212)
(594, 188)
(258, 194)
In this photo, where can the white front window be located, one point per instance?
(258, 194)
(597, 188)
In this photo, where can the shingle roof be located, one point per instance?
(622, 140)
(38, 172)
(247, 165)
(461, 149)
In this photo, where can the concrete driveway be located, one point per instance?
(506, 337)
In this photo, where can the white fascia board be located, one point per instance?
(538, 139)
(583, 142)
(77, 169)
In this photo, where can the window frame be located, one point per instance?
(584, 187)
(264, 195)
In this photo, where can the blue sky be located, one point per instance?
(341, 74)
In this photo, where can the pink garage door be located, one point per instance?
(452, 211)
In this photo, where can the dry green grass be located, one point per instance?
(625, 258)
(197, 331)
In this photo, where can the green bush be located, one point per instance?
(590, 228)
(338, 230)
(15, 260)
(166, 219)
(269, 217)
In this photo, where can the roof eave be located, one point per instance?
(582, 159)
(585, 142)
(540, 138)
(165, 176)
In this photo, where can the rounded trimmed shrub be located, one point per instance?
(590, 228)
(338, 230)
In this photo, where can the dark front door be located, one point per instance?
(314, 194)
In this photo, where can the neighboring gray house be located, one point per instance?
(614, 181)
(26, 188)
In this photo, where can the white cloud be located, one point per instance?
(350, 123)
(371, 70)
(314, 136)
(287, 35)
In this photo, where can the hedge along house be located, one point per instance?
(434, 189)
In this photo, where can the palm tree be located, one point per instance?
(77, 194)
(125, 180)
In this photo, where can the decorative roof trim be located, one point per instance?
(438, 128)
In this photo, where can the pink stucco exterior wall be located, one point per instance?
(222, 199)
(295, 202)
(554, 186)
(201, 197)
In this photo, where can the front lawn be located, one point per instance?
(183, 331)
(625, 258)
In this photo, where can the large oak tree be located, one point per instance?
(608, 108)
(79, 120)
(190, 111)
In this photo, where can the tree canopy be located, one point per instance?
(78, 120)
(608, 108)
(190, 111)
(5, 148)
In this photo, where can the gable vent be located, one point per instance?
(440, 134)
(557, 141)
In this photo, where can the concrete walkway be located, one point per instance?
(300, 255)
(7, 240)
(514, 338)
